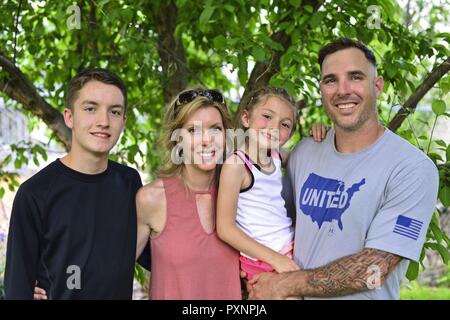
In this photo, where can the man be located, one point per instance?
(364, 197)
(73, 224)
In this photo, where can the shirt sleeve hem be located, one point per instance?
(398, 250)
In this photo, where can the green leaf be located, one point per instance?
(132, 153)
(284, 25)
(446, 239)
(406, 134)
(443, 251)
(437, 232)
(441, 143)
(205, 16)
(103, 2)
(316, 19)
(180, 29)
(258, 53)
(435, 156)
(17, 163)
(435, 218)
(229, 8)
(445, 87)
(126, 14)
(448, 153)
(43, 154)
(242, 72)
(441, 48)
(295, 3)
(180, 3)
(444, 196)
(39, 30)
(391, 70)
(413, 271)
(2, 192)
(438, 107)
(139, 274)
(270, 43)
(7, 160)
(290, 87)
(308, 8)
(220, 42)
(32, 48)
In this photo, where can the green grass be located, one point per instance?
(425, 293)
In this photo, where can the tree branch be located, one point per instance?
(16, 30)
(171, 51)
(20, 88)
(410, 105)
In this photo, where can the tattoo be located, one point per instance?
(359, 272)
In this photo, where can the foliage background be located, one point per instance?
(161, 47)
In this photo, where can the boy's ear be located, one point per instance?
(68, 117)
(245, 118)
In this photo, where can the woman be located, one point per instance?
(177, 211)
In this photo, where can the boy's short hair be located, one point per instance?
(91, 74)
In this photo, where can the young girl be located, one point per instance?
(177, 211)
(251, 214)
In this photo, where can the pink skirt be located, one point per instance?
(253, 267)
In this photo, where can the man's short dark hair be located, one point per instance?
(91, 74)
(345, 43)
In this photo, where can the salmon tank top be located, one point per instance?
(188, 263)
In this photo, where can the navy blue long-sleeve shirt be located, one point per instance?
(74, 233)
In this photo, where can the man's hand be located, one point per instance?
(39, 293)
(244, 285)
(345, 276)
(263, 286)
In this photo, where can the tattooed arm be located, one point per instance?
(345, 276)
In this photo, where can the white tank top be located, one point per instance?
(261, 211)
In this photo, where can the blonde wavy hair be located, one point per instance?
(175, 117)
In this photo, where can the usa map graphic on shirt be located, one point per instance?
(326, 199)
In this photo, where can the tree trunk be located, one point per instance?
(171, 52)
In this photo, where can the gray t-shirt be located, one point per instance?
(381, 197)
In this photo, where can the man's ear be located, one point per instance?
(245, 118)
(68, 117)
(379, 85)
